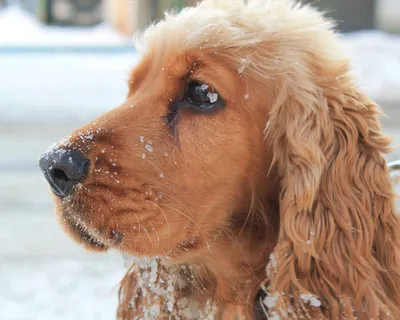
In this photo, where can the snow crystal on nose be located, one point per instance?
(141, 138)
(84, 138)
(88, 135)
(65, 142)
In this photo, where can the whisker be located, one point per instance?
(158, 238)
(151, 241)
(245, 222)
(177, 200)
(230, 234)
(166, 220)
(139, 225)
(188, 217)
(131, 231)
(263, 308)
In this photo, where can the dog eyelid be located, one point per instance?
(198, 97)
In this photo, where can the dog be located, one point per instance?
(243, 142)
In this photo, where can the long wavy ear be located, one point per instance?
(338, 254)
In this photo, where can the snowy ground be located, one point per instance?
(49, 86)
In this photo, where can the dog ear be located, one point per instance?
(337, 255)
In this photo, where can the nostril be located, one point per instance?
(59, 174)
(64, 170)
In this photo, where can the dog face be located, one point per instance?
(167, 167)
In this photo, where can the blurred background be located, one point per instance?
(64, 62)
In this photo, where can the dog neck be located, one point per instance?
(222, 279)
(233, 269)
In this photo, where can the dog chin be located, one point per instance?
(82, 234)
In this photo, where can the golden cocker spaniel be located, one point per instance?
(243, 142)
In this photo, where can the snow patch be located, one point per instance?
(149, 148)
(158, 291)
(240, 69)
(312, 300)
(212, 96)
(271, 300)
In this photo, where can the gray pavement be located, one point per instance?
(44, 274)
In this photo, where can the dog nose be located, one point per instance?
(63, 169)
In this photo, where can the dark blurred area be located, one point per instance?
(350, 15)
(130, 15)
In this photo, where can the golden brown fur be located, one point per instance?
(292, 166)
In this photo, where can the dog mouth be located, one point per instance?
(83, 233)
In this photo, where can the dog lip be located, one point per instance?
(84, 233)
(90, 239)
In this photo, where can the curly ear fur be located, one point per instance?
(338, 250)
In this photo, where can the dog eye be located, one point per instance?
(202, 96)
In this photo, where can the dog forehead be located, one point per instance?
(156, 62)
(183, 65)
